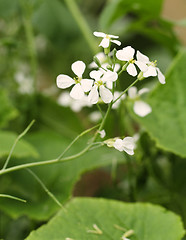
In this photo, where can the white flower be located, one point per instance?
(127, 54)
(140, 107)
(102, 133)
(81, 85)
(116, 67)
(99, 88)
(107, 38)
(151, 70)
(127, 145)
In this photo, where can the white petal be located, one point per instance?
(129, 145)
(86, 84)
(161, 77)
(102, 133)
(131, 69)
(77, 92)
(142, 58)
(151, 71)
(141, 108)
(143, 90)
(118, 144)
(110, 76)
(78, 68)
(126, 54)
(117, 67)
(116, 42)
(93, 96)
(105, 43)
(132, 92)
(112, 36)
(99, 34)
(96, 74)
(64, 81)
(142, 66)
(105, 94)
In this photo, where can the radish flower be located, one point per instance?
(107, 39)
(80, 85)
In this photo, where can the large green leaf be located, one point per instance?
(167, 122)
(22, 148)
(118, 8)
(59, 178)
(149, 222)
(7, 111)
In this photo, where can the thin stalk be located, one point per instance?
(125, 90)
(82, 24)
(80, 135)
(12, 197)
(27, 12)
(48, 162)
(45, 188)
(14, 144)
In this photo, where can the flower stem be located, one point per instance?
(82, 23)
(125, 90)
(45, 188)
(13, 146)
(27, 11)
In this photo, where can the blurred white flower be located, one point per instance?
(107, 38)
(25, 82)
(127, 54)
(127, 145)
(76, 105)
(99, 86)
(151, 70)
(140, 107)
(81, 85)
(95, 116)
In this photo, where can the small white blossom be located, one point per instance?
(127, 54)
(102, 133)
(107, 38)
(99, 86)
(127, 145)
(140, 107)
(81, 85)
(151, 70)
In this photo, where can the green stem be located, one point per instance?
(80, 135)
(45, 188)
(125, 90)
(27, 12)
(12, 197)
(82, 23)
(13, 146)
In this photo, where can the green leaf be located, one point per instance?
(113, 218)
(166, 124)
(118, 8)
(22, 149)
(7, 111)
(59, 178)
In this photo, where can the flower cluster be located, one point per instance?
(102, 84)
